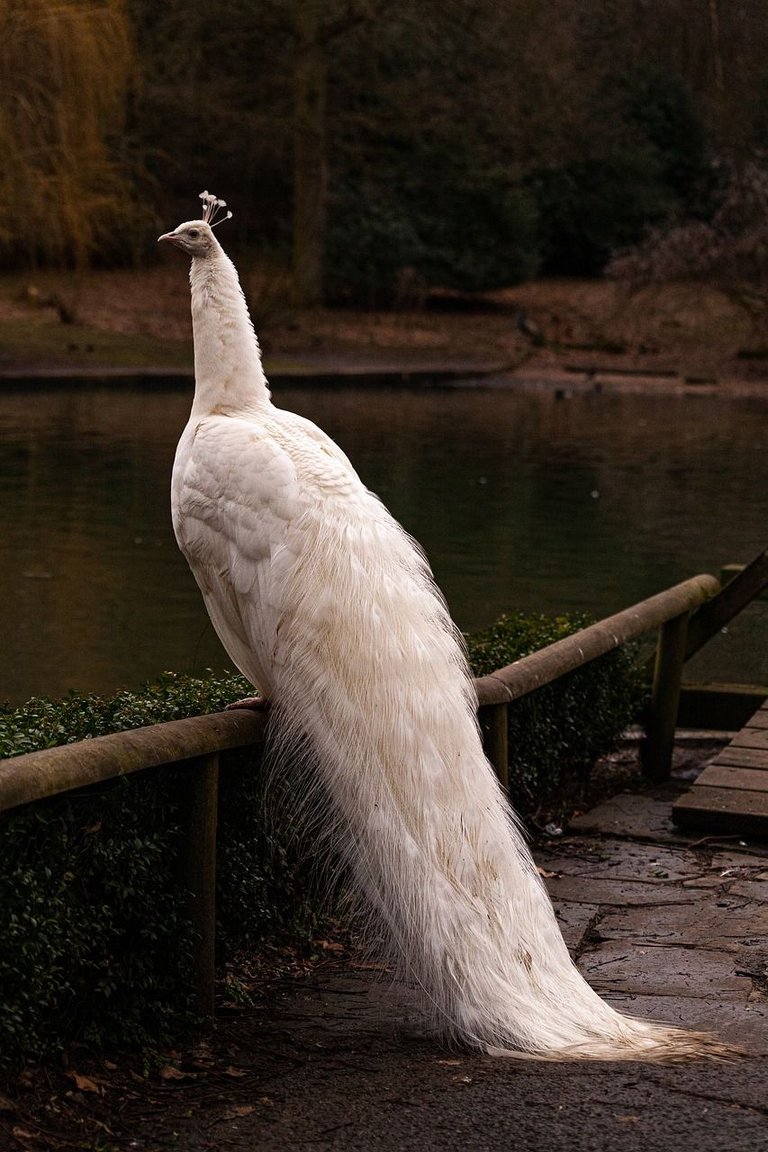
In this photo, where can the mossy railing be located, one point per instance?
(196, 743)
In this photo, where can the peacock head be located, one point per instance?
(195, 237)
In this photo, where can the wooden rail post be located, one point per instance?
(665, 698)
(199, 814)
(493, 722)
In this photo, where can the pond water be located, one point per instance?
(522, 500)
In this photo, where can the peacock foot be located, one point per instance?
(254, 703)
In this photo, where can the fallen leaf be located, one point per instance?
(241, 1110)
(23, 1134)
(84, 1083)
(546, 874)
(171, 1073)
(7, 1105)
(450, 1063)
(328, 945)
(235, 1073)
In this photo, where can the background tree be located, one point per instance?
(65, 73)
(381, 150)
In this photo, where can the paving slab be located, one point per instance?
(628, 814)
(618, 892)
(575, 922)
(653, 970)
(750, 889)
(627, 860)
(758, 861)
(743, 1023)
(729, 926)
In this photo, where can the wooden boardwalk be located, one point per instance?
(731, 794)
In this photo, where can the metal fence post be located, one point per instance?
(199, 812)
(665, 698)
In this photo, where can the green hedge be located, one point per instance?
(558, 732)
(95, 947)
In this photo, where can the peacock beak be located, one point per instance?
(171, 237)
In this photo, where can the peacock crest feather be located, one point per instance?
(212, 206)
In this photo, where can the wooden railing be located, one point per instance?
(669, 612)
(685, 617)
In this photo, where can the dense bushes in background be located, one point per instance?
(436, 220)
(95, 946)
(650, 167)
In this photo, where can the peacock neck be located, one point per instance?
(228, 370)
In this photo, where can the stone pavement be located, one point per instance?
(662, 924)
(666, 925)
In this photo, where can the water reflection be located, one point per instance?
(520, 499)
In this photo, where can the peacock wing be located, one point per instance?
(235, 497)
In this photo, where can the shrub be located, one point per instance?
(558, 732)
(642, 165)
(93, 943)
(441, 224)
(730, 247)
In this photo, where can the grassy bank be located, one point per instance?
(139, 319)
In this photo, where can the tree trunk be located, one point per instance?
(310, 169)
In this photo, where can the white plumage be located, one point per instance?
(329, 608)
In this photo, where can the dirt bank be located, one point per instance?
(666, 336)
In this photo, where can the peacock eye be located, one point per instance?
(194, 233)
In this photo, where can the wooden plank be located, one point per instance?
(36, 775)
(743, 757)
(760, 719)
(720, 810)
(494, 724)
(725, 800)
(724, 776)
(726, 707)
(751, 738)
(656, 750)
(711, 616)
(198, 819)
(728, 571)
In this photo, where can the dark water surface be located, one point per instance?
(521, 500)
